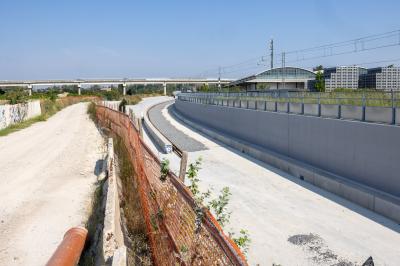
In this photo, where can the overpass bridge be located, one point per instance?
(124, 82)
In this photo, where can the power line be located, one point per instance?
(366, 43)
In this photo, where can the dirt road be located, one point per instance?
(47, 175)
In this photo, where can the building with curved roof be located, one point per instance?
(288, 78)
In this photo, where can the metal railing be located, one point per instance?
(369, 106)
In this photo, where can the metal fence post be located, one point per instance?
(302, 104)
(319, 104)
(393, 108)
(363, 107)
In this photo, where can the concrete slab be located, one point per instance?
(311, 109)
(271, 106)
(282, 107)
(378, 114)
(295, 108)
(329, 110)
(351, 112)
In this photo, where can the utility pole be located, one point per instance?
(271, 48)
(219, 78)
(283, 70)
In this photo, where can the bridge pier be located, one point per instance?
(165, 88)
(30, 89)
(124, 89)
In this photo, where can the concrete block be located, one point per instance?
(329, 184)
(387, 208)
(295, 108)
(302, 172)
(357, 195)
(311, 109)
(329, 110)
(230, 103)
(271, 106)
(243, 104)
(351, 112)
(282, 107)
(236, 103)
(378, 114)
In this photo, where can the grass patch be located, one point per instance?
(138, 244)
(24, 124)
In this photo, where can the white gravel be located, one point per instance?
(47, 175)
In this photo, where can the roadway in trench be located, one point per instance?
(47, 176)
(290, 222)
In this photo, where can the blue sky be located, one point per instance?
(89, 39)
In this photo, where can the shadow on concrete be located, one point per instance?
(328, 195)
(150, 136)
(98, 168)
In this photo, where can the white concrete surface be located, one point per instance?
(47, 175)
(274, 206)
(15, 113)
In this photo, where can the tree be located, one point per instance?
(320, 82)
(318, 68)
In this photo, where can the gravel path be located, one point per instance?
(180, 139)
(47, 175)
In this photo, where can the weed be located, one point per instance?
(164, 169)
(218, 206)
(243, 241)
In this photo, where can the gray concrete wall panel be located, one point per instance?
(295, 108)
(378, 114)
(271, 106)
(311, 109)
(351, 112)
(329, 110)
(350, 149)
(282, 107)
(252, 105)
(398, 116)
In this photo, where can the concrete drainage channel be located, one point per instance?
(105, 245)
(113, 240)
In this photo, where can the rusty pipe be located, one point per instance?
(70, 249)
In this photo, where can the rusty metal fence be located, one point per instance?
(179, 233)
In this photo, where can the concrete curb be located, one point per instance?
(159, 138)
(113, 238)
(377, 201)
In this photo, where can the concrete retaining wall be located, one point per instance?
(378, 114)
(282, 107)
(311, 109)
(320, 151)
(111, 104)
(329, 110)
(295, 108)
(347, 148)
(398, 116)
(113, 240)
(351, 112)
(16, 113)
